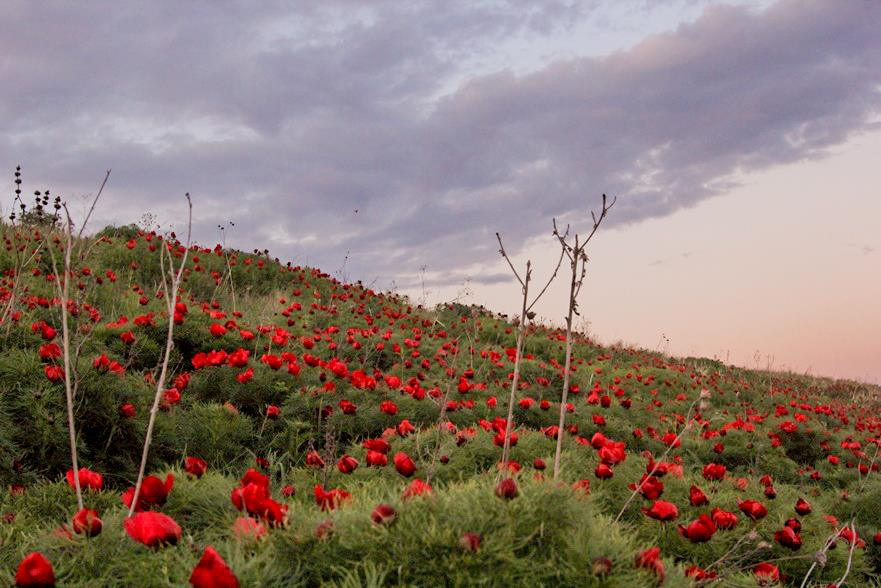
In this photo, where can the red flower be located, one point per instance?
(347, 464)
(35, 570)
(788, 537)
(383, 514)
(378, 445)
(314, 459)
(507, 489)
(376, 459)
(248, 528)
(89, 480)
(470, 542)
(273, 412)
(54, 373)
(699, 531)
(651, 560)
(329, 500)
(404, 464)
(195, 466)
(802, 507)
(650, 487)
(753, 509)
(582, 486)
(714, 471)
(388, 407)
(724, 519)
(766, 573)
(212, 572)
(49, 351)
(128, 410)
(86, 521)
(416, 488)
(603, 472)
(217, 329)
(154, 492)
(697, 497)
(662, 510)
(152, 528)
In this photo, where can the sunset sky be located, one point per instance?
(388, 141)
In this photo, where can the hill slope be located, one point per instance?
(310, 402)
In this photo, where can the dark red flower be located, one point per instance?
(696, 496)
(195, 466)
(347, 464)
(86, 521)
(802, 507)
(788, 537)
(470, 541)
(714, 471)
(753, 509)
(383, 514)
(507, 489)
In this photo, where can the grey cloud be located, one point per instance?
(288, 117)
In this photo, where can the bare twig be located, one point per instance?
(170, 301)
(576, 254)
(525, 316)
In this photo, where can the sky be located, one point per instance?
(388, 142)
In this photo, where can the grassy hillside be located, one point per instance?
(291, 385)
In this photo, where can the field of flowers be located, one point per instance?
(313, 432)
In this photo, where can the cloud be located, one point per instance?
(287, 117)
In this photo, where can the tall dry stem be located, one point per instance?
(525, 316)
(62, 285)
(578, 266)
(170, 290)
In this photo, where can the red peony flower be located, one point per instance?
(35, 570)
(195, 466)
(86, 521)
(753, 509)
(89, 480)
(697, 497)
(724, 519)
(662, 510)
(507, 489)
(154, 492)
(248, 528)
(212, 572)
(347, 464)
(416, 488)
(650, 559)
(152, 528)
(404, 464)
(470, 542)
(699, 531)
(383, 514)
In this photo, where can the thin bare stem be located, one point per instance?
(170, 300)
